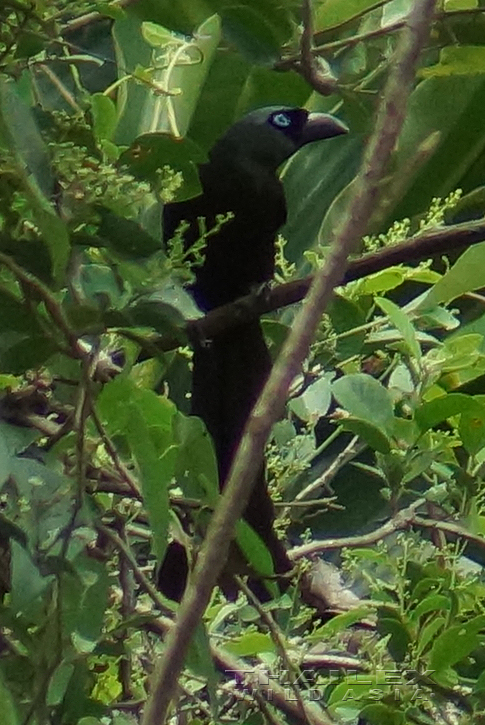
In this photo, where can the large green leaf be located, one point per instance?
(466, 275)
(9, 709)
(331, 13)
(366, 398)
(249, 30)
(145, 420)
(312, 179)
(20, 133)
(200, 662)
(402, 323)
(196, 465)
(458, 60)
(452, 105)
(25, 353)
(455, 643)
(146, 110)
(436, 411)
(183, 15)
(85, 598)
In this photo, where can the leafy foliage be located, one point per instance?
(379, 459)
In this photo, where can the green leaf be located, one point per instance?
(402, 323)
(250, 644)
(399, 640)
(314, 401)
(9, 709)
(58, 683)
(158, 36)
(452, 5)
(196, 465)
(144, 110)
(356, 687)
(163, 318)
(339, 623)
(395, 10)
(332, 13)
(428, 415)
(227, 83)
(263, 87)
(104, 116)
(472, 430)
(457, 60)
(428, 633)
(455, 643)
(461, 351)
(384, 281)
(85, 600)
(466, 275)
(253, 35)
(31, 254)
(28, 44)
(25, 354)
(156, 472)
(255, 551)
(16, 315)
(18, 127)
(50, 501)
(452, 106)
(380, 714)
(27, 583)
(146, 421)
(468, 207)
(367, 399)
(433, 603)
(153, 151)
(369, 433)
(157, 410)
(15, 438)
(199, 659)
(5, 466)
(346, 315)
(125, 236)
(313, 178)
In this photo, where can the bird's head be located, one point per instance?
(269, 136)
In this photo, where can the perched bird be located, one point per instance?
(230, 370)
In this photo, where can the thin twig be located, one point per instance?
(52, 306)
(215, 547)
(402, 520)
(252, 679)
(307, 65)
(139, 576)
(113, 453)
(291, 669)
(353, 448)
(450, 530)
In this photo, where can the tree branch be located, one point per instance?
(402, 520)
(421, 246)
(234, 498)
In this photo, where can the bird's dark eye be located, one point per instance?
(281, 120)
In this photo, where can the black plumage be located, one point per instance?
(230, 370)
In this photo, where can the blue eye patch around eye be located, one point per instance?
(281, 120)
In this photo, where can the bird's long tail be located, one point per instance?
(229, 373)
